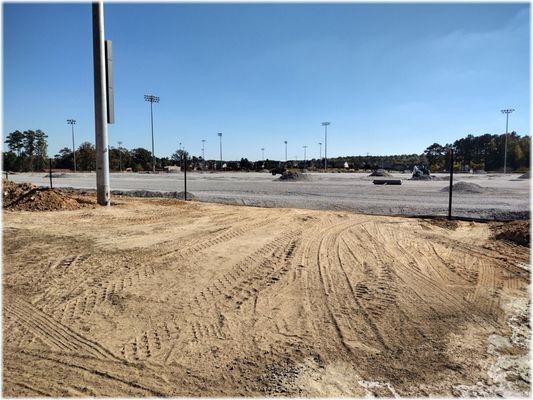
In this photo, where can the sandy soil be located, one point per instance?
(501, 196)
(162, 297)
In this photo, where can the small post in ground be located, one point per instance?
(451, 186)
(185, 177)
(7, 176)
(50, 171)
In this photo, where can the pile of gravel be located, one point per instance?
(465, 187)
(380, 172)
(293, 176)
(426, 178)
(150, 193)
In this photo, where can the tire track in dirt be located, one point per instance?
(91, 297)
(54, 333)
(202, 318)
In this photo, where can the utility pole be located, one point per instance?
(203, 154)
(220, 136)
(152, 99)
(72, 122)
(506, 112)
(325, 125)
(305, 156)
(120, 156)
(285, 151)
(450, 194)
(263, 154)
(103, 196)
(320, 151)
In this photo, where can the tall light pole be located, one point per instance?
(220, 137)
(103, 193)
(320, 150)
(152, 99)
(120, 156)
(285, 150)
(506, 112)
(72, 122)
(263, 154)
(203, 153)
(305, 156)
(325, 125)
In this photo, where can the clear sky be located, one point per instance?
(391, 78)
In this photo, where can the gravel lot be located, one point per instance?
(502, 197)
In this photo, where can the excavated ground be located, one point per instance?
(162, 297)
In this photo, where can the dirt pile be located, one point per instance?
(513, 231)
(524, 176)
(293, 176)
(466, 187)
(28, 197)
(380, 172)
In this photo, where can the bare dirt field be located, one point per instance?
(162, 297)
(499, 196)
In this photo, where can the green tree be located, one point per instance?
(15, 141)
(41, 148)
(141, 159)
(86, 157)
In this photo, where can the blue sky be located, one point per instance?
(392, 78)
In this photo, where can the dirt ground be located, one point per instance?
(162, 297)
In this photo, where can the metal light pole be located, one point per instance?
(320, 151)
(103, 195)
(325, 125)
(152, 99)
(220, 138)
(285, 151)
(203, 153)
(72, 122)
(506, 112)
(263, 154)
(120, 156)
(305, 156)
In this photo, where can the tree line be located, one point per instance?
(27, 152)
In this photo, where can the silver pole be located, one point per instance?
(220, 136)
(152, 125)
(103, 195)
(325, 125)
(507, 112)
(73, 147)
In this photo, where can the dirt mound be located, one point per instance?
(293, 176)
(465, 187)
(28, 197)
(380, 172)
(524, 176)
(514, 231)
(443, 223)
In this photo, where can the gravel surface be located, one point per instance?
(507, 196)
